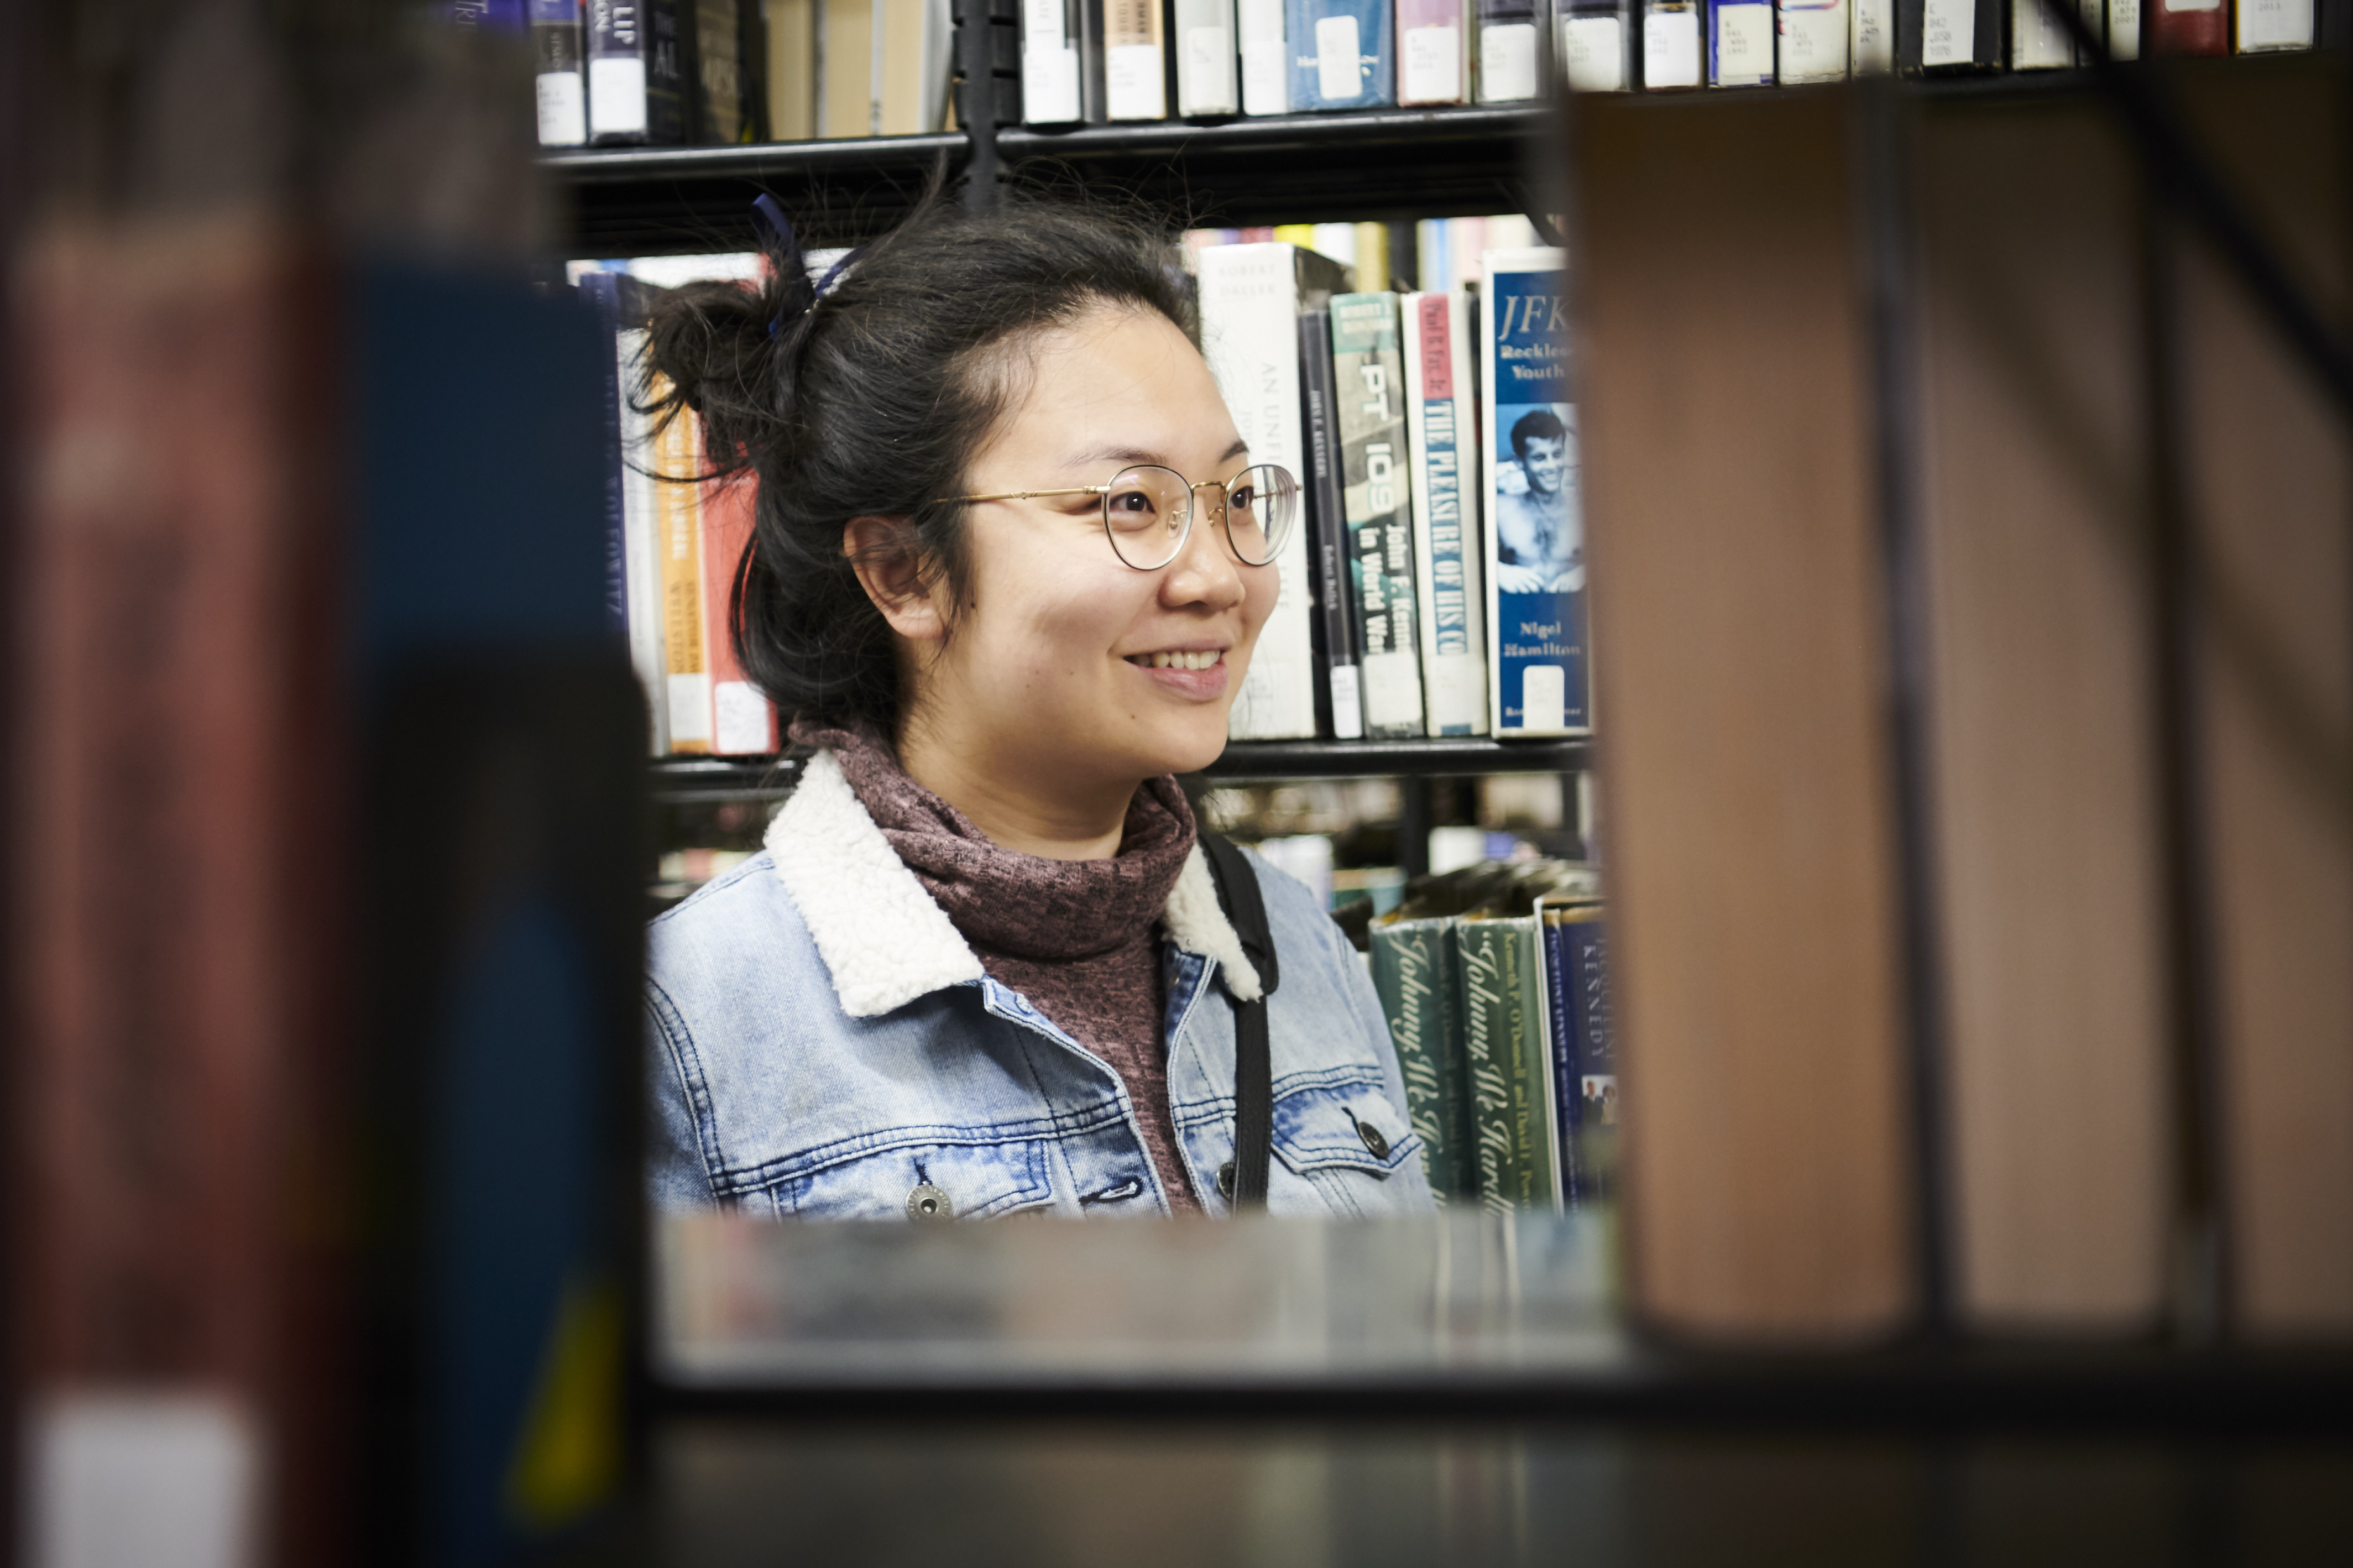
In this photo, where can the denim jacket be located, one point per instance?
(824, 1044)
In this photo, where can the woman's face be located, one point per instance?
(1061, 656)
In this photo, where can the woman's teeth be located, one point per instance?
(1181, 660)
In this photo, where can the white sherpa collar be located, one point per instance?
(883, 937)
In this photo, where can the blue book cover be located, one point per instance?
(1563, 1019)
(1341, 54)
(1535, 530)
(1740, 43)
(601, 292)
(1586, 949)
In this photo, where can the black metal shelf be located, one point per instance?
(686, 780)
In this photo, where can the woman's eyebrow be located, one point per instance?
(1125, 455)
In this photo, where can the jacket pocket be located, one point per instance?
(919, 1181)
(1342, 1123)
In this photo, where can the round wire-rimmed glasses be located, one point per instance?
(1148, 512)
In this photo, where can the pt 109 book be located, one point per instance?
(1340, 54)
(1536, 530)
(1441, 409)
(1368, 390)
(1250, 298)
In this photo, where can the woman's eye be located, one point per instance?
(1132, 501)
(1241, 499)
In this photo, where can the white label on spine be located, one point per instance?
(1041, 25)
(1596, 48)
(616, 96)
(690, 710)
(1948, 32)
(1266, 77)
(1671, 49)
(1813, 41)
(1544, 698)
(1339, 74)
(2124, 29)
(1507, 63)
(1393, 692)
(1874, 36)
(562, 110)
(1132, 88)
(1209, 86)
(1458, 694)
(740, 715)
(1347, 704)
(2038, 38)
(1744, 45)
(160, 1479)
(1433, 66)
(2174, 7)
(2274, 24)
(1050, 85)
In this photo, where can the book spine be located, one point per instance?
(687, 686)
(1594, 41)
(600, 292)
(1672, 55)
(2189, 27)
(1433, 51)
(1368, 385)
(743, 722)
(717, 73)
(2038, 38)
(1949, 37)
(1414, 970)
(1266, 55)
(1595, 1154)
(1537, 678)
(1093, 89)
(1340, 54)
(1815, 36)
(556, 42)
(1327, 524)
(1445, 552)
(1503, 1043)
(1050, 62)
(636, 84)
(1507, 51)
(1561, 1017)
(1207, 81)
(1135, 70)
(2124, 29)
(1740, 43)
(1872, 37)
(2268, 27)
(1250, 298)
(641, 518)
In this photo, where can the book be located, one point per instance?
(1050, 62)
(637, 88)
(1672, 55)
(1266, 55)
(1339, 633)
(1509, 43)
(913, 46)
(1433, 51)
(556, 45)
(720, 116)
(1501, 981)
(2187, 27)
(1594, 41)
(1585, 1069)
(743, 721)
(1368, 389)
(675, 455)
(1250, 298)
(1815, 39)
(791, 75)
(1949, 37)
(1442, 400)
(846, 104)
(2263, 27)
(632, 508)
(1534, 564)
(1135, 67)
(1873, 47)
(1340, 54)
(1416, 972)
(2038, 38)
(1206, 80)
(1740, 43)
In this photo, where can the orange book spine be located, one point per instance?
(677, 456)
(743, 721)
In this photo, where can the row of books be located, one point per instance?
(673, 544)
(1500, 1012)
(1438, 588)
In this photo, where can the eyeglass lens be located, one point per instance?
(1147, 509)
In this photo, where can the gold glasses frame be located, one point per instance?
(1275, 539)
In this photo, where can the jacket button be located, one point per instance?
(1372, 1140)
(1225, 1181)
(928, 1202)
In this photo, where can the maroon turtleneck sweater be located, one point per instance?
(1078, 938)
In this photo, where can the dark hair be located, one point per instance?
(1538, 425)
(873, 400)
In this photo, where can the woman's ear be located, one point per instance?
(883, 552)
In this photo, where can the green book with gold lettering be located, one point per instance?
(1417, 974)
(1502, 978)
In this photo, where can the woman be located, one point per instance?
(1010, 563)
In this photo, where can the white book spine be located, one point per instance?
(2265, 26)
(641, 546)
(1206, 80)
(1446, 548)
(2124, 29)
(1050, 65)
(1874, 32)
(1266, 62)
(1815, 38)
(2038, 38)
(1250, 336)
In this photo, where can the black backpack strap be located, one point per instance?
(1238, 895)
